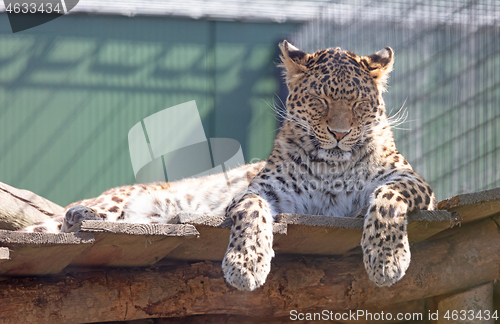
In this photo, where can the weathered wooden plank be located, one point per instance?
(212, 241)
(20, 238)
(357, 223)
(466, 259)
(41, 253)
(475, 205)
(309, 234)
(211, 245)
(202, 219)
(424, 223)
(323, 240)
(319, 220)
(96, 226)
(301, 234)
(130, 245)
(114, 244)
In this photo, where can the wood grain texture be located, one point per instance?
(132, 245)
(303, 234)
(414, 306)
(202, 219)
(469, 257)
(41, 254)
(117, 244)
(211, 245)
(129, 245)
(123, 250)
(20, 238)
(475, 205)
(95, 226)
(310, 234)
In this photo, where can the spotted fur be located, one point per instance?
(156, 203)
(333, 155)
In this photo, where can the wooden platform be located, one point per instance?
(113, 244)
(314, 254)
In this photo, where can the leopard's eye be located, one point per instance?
(321, 101)
(325, 105)
(359, 103)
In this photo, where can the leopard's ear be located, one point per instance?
(293, 60)
(379, 65)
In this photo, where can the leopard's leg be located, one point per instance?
(248, 257)
(386, 249)
(76, 215)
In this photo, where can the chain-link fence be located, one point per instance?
(446, 76)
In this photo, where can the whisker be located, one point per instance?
(400, 117)
(282, 113)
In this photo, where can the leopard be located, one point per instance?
(334, 155)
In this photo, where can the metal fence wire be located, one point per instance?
(446, 78)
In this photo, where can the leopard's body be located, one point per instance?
(156, 203)
(333, 155)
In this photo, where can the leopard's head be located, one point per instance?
(335, 97)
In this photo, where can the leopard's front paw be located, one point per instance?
(246, 270)
(77, 214)
(386, 256)
(248, 257)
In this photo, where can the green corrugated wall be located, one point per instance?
(71, 89)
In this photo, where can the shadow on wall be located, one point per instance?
(71, 89)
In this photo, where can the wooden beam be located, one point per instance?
(118, 244)
(303, 234)
(469, 257)
(41, 253)
(415, 309)
(310, 234)
(474, 206)
(40, 239)
(131, 245)
(97, 243)
(97, 226)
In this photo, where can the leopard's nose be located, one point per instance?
(338, 134)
